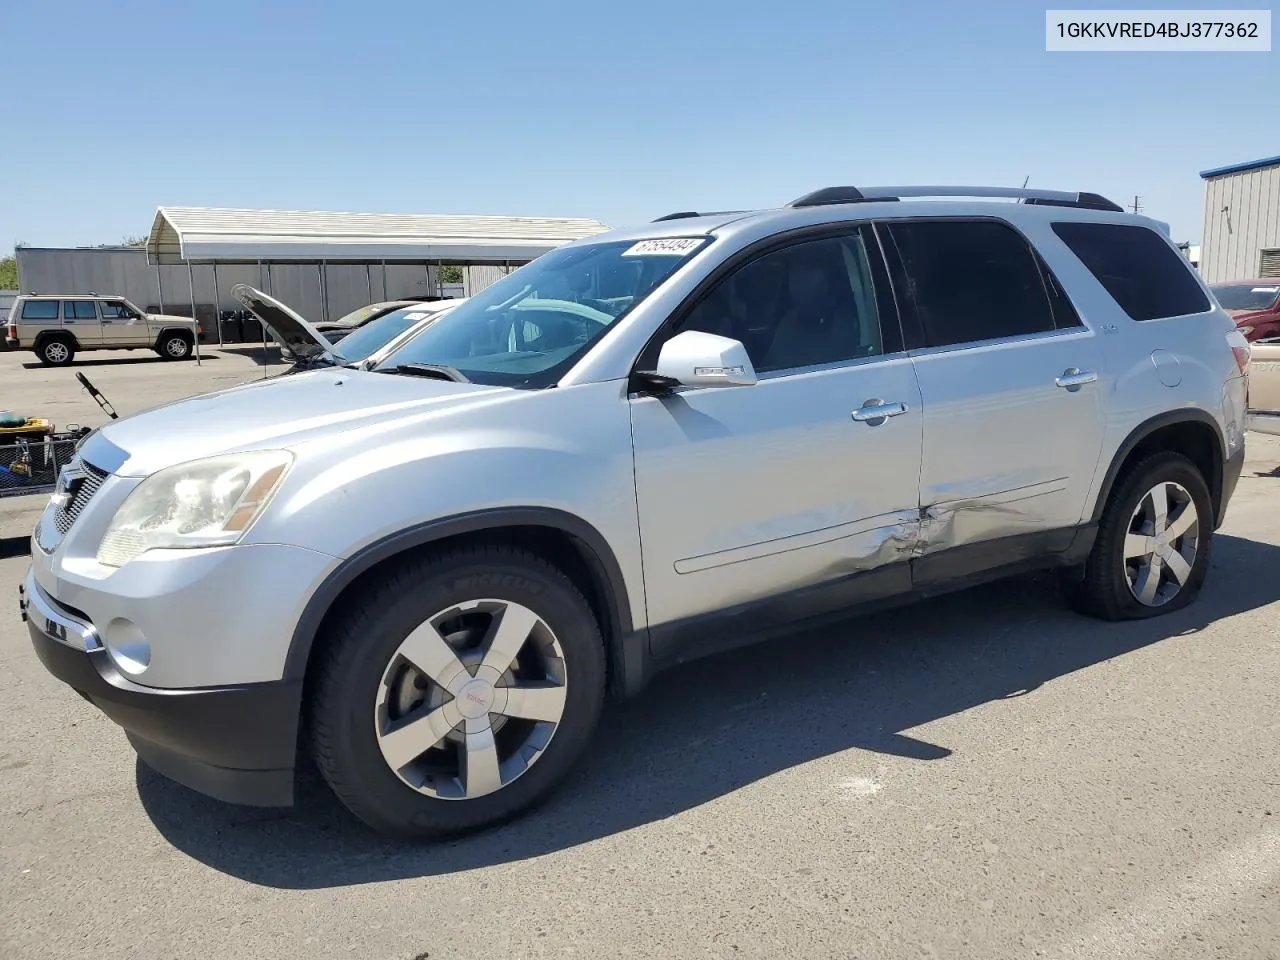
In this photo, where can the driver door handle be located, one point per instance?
(875, 412)
(1073, 378)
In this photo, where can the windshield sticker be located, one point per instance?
(669, 247)
(1265, 290)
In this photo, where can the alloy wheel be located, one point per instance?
(1161, 545)
(471, 699)
(56, 352)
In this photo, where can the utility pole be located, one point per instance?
(1137, 203)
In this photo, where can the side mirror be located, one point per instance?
(697, 359)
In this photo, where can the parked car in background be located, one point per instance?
(310, 345)
(57, 327)
(1254, 305)
(1264, 387)
(335, 330)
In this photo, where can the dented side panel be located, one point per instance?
(746, 493)
(1007, 451)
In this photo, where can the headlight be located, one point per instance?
(204, 503)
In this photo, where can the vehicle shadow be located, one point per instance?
(206, 353)
(15, 546)
(711, 727)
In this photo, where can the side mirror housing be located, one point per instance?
(697, 359)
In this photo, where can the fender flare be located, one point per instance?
(44, 335)
(598, 555)
(181, 331)
(1143, 430)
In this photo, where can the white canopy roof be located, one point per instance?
(182, 234)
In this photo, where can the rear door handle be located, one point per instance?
(875, 412)
(1074, 378)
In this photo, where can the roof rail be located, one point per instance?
(686, 214)
(1058, 198)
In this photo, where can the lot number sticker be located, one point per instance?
(669, 247)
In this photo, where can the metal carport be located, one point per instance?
(261, 239)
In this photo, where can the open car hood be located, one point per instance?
(292, 332)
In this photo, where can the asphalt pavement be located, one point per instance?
(984, 775)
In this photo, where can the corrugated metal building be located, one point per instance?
(322, 264)
(1241, 221)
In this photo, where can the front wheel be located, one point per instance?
(174, 346)
(1152, 551)
(457, 692)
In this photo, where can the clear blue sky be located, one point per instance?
(607, 109)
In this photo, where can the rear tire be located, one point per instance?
(174, 346)
(56, 351)
(368, 691)
(1151, 555)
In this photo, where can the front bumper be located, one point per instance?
(233, 743)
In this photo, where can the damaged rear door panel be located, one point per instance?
(1012, 383)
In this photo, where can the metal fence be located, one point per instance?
(32, 466)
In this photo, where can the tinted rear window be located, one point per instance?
(40, 310)
(971, 280)
(1143, 274)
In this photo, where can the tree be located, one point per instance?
(451, 274)
(8, 274)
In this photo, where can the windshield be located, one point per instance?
(364, 341)
(359, 315)
(1246, 296)
(529, 328)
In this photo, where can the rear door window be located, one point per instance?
(40, 310)
(79, 310)
(970, 280)
(1143, 274)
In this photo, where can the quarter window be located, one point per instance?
(804, 305)
(40, 310)
(1143, 273)
(971, 280)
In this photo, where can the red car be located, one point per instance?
(1253, 304)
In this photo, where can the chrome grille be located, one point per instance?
(86, 480)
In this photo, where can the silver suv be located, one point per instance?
(57, 327)
(642, 447)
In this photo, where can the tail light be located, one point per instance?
(1240, 347)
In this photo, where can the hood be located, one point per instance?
(292, 332)
(169, 318)
(271, 414)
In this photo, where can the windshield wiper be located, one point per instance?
(436, 371)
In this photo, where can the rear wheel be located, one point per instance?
(174, 346)
(458, 692)
(56, 352)
(1152, 551)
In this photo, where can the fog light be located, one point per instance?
(127, 647)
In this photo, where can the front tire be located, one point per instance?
(457, 692)
(1151, 555)
(174, 346)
